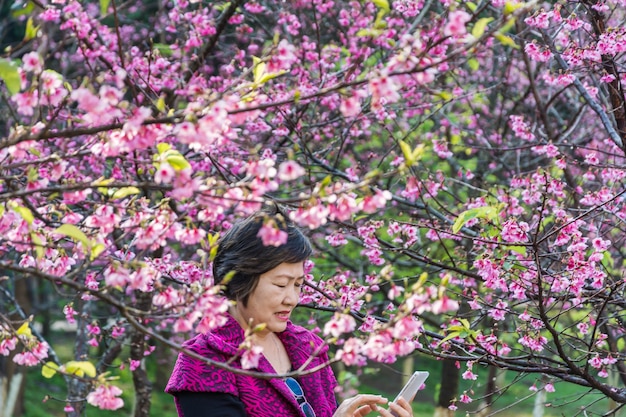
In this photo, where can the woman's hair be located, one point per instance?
(243, 258)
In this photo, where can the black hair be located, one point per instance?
(242, 256)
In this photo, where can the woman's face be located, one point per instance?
(274, 298)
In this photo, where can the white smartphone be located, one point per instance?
(411, 387)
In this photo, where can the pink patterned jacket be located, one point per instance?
(261, 397)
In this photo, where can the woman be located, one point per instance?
(264, 282)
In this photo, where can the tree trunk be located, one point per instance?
(143, 386)
(12, 376)
(540, 400)
(164, 361)
(450, 375)
(77, 390)
(491, 390)
(408, 367)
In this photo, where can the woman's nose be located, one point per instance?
(292, 296)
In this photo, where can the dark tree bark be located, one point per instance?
(12, 376)
(143, 386)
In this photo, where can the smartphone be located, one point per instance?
(411, 387)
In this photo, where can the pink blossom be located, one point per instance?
(372, 203)
(134, 364)
(441, 149)
(498, 313)
(250, 358)
(444, 305)
(313, 217)
(117, 332)
(26, 102)
(26, 359)
(536, 344)
(271, 235)
(68, 408)
(464, 398)
(592, 158)
(116, 276)
(165, 173)
(469, 375)
(536, 53)
(93, 329)
(350, 352)
(383, 89)
(32, 62)
(407, 328)
(456, 23)
(513, 231)
(336, 239)
(339, 324)
(521, 128)
(540, 20)
(350, 106)
(596, 362)
(69, 312)
(106, 397)
(549, 388)
(395, 291)
(7, 345)
(343, 208)
(290, 170)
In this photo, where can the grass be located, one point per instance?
(517, 400)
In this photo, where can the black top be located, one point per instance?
(213, 404)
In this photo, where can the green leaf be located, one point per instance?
(505, 40)
(10, 75)
(479, 27)
(49, 369)
(486, 212)
(31, 30)
(104, 7)
(451, 335)
(74, 233)
(24, 330)
(177, 161)
(164, 49)
(19, 9)
(518, 249)
(96, 250)
(411, 156)
(258, 69)
(382, 4)
(163, 147)
(125, 192)
(270, 75)
(25, 213)
(38, 245)
(81, 368)
(373, 33)
(510, 7)
(607, 260)
(160, 104)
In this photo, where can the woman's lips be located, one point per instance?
(283, 315)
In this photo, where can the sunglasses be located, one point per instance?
(297, 391)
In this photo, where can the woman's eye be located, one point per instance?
(280, 286)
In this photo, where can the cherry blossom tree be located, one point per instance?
(458, 165)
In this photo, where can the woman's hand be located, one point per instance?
(363, 404)
(359, 405)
